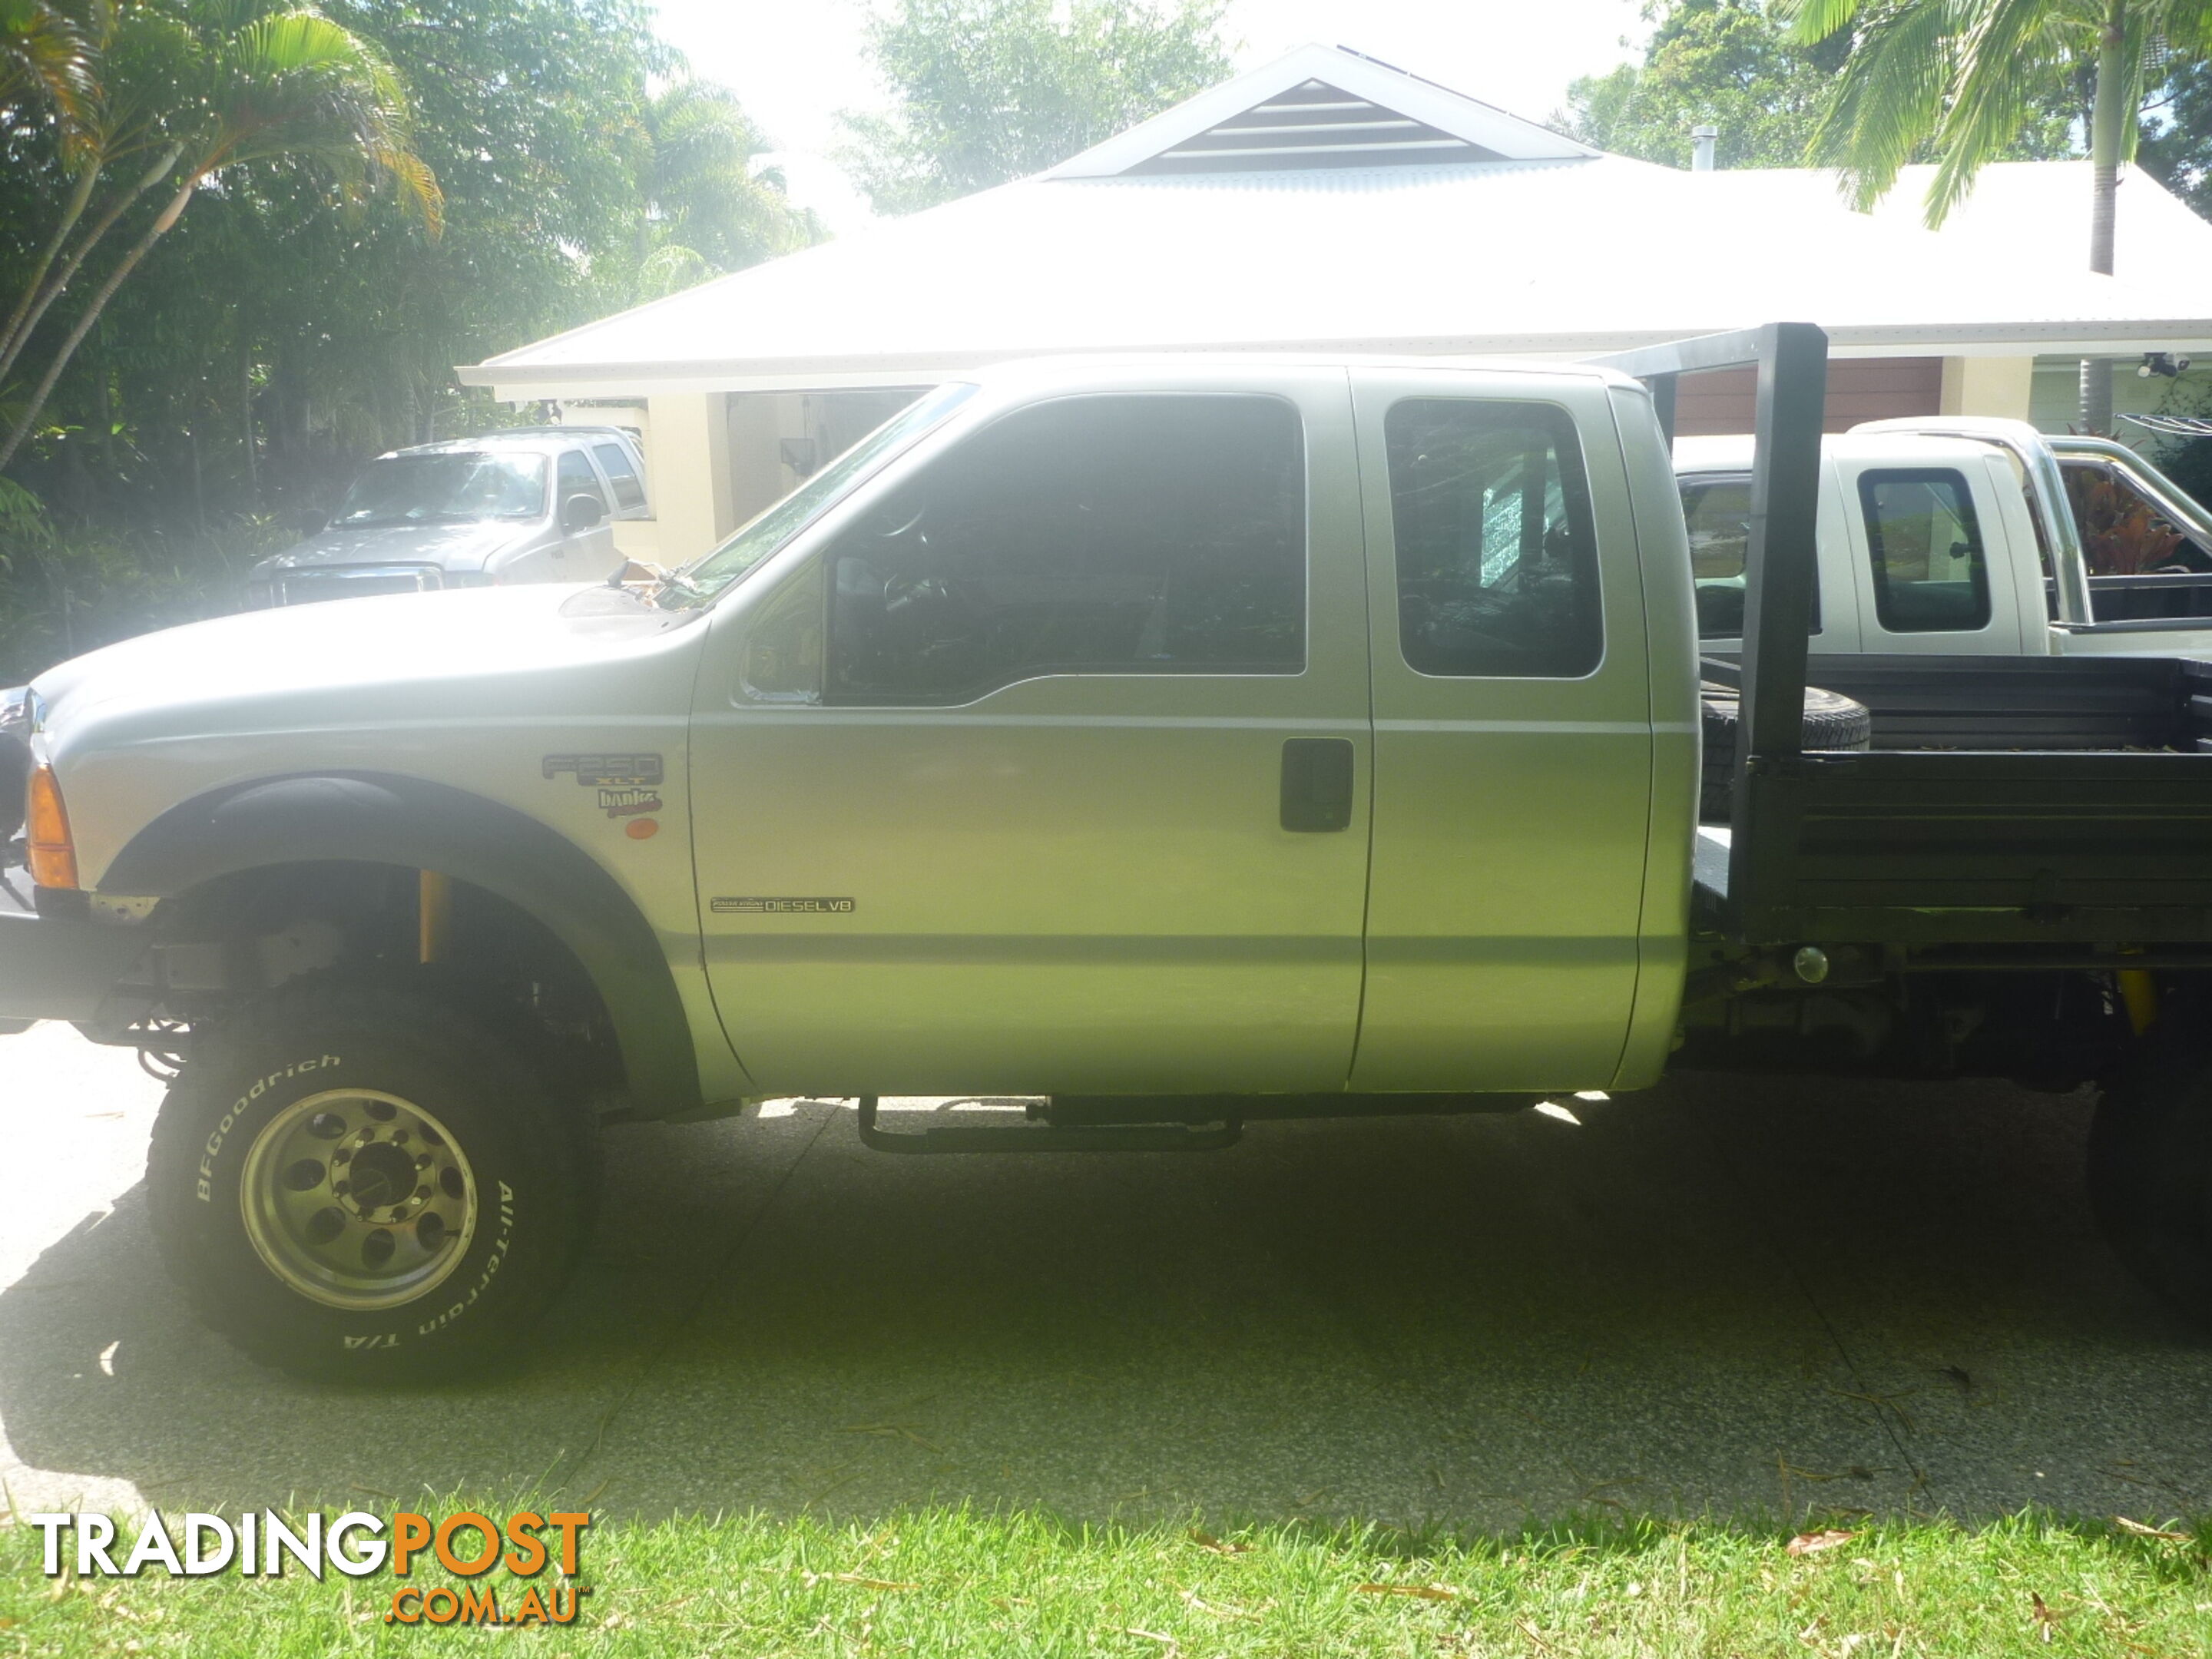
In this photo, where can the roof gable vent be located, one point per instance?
(1315, 125)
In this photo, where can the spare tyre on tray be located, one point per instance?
(1833, 721)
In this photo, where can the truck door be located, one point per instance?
(1932, 563)
(1048, 772)
(1513, 742)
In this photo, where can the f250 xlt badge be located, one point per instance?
(814, 906)
(629, 784)
(606, 771)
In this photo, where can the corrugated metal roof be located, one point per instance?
(1559, 256)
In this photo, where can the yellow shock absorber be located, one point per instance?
(2139, 994)
(433, 910)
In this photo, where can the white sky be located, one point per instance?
(794, 64)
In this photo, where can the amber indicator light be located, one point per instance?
(53, 855)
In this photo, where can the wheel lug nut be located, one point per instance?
(423, 1192)
(423, 1161)
(342, 1156)
(399, 1137)
(342, 1185)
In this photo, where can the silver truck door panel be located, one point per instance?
(1078, 879)
(1513, 733)
(1932, 562)
(563, 557)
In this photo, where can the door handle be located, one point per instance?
(1316, 785)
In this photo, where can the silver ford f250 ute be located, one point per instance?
(1180, 742)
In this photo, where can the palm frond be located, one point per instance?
(1815, 21)
(2004, 47)
(1891, 96)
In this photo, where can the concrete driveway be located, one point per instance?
(1726, 1296)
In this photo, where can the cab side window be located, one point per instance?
(1497, 560)
(629, 491)
(574, 476)
(1135, 534)
(1929, 575)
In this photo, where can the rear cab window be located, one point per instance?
(1497, 558)
(622, 476)
(573, 476)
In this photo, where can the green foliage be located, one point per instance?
(990, 90)
(301, 315)
(708, 207)
(66, 592)
(1725, 63)
(1963, 79)
(1736, 65)
(2175, 146)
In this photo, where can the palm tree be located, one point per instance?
(1960, 76)
(203, 90)
(707, 208)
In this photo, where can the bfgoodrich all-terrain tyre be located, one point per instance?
(2150, 1174)
(362, 1184)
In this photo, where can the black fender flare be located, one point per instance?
(376, 819)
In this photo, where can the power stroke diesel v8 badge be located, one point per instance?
(629, 784)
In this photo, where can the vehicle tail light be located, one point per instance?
(53, 854)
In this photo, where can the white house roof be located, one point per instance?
(1557, 250)
(2036, 210)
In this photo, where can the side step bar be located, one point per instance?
(1118, 1137)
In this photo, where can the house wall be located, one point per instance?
(2056, 402)
(2003, 386)
(1859, 389)
(777, 440)
(688, 466)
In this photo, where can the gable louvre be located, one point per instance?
(1315, 125)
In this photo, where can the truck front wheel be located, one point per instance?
(2150, 1174)
(361, 1183)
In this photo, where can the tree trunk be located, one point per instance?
(98, 303)
(71, 212)
(245, 423)
(35, 306)
(2108, 118)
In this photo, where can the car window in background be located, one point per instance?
(576, 477)
(1929, 576)
(615, 462)
(451, 489)
(1718, 514)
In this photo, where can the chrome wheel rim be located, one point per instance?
(358, 1199)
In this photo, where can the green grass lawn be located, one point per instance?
(952, 1581)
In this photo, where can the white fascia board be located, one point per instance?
(567, 381)
(1479, 123)
(2123, 337)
